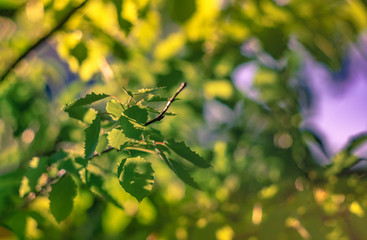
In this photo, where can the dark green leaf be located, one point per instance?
(91, 137)
(181, 11)
(129, 129)
(62, 197)
(80, 52)
(116, 138)
(124, 24)
(57, 157)
(179, 170)
(36, 167)
(140, 115)
(136, 176)
(115, 109)
(182, 150)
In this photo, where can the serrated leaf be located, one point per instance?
(136, 176)
(179, 170)
(129, 129)
(91, 137)
(147, 90)
(88, 99)
(182, 150)
(116, 138)
(62, 197)
(115, 109)
(102, 143)
(153, 110)
(140, 115)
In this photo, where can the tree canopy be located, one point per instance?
(153, 119)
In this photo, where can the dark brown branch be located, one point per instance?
(170, 101)
(40, 41)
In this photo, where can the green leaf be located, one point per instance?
(136, 176)
(129, 129)
(102, 143)
(140, 115)
(96, 181)
(116, 138)
(80, 52)
(91, 137)
(37, 166)
(59, 155)
(124, 24)
(180, 11)
(153, 98)
(62, 197)
(153, 110)
(115, 109)
(179, 170)
(147, 90)
(88, 99)
(182, 150)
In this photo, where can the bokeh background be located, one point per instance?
(276, 101)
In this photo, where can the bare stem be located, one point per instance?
(170, 101)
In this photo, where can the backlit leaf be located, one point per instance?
(116, 138)
(136, 176)
(91, 137)
(62, 197)
(182, 150)
(88, 99)
(115, 109)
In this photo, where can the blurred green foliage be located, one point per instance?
(263, 184)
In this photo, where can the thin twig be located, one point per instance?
(170, 101)
(40, 41)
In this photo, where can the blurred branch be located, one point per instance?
(41, 40)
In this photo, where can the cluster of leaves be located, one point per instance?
(121, 127)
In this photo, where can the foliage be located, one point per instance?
(80, 80)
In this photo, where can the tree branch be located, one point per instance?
(170, 101)
(41, 40)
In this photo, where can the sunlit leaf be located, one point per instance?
(62, 197)
(88, 99)
(136, 176)
(102, 143)
(116, 138)
(147, 90)
(114, 108)
(182, 150)
(91, 137)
